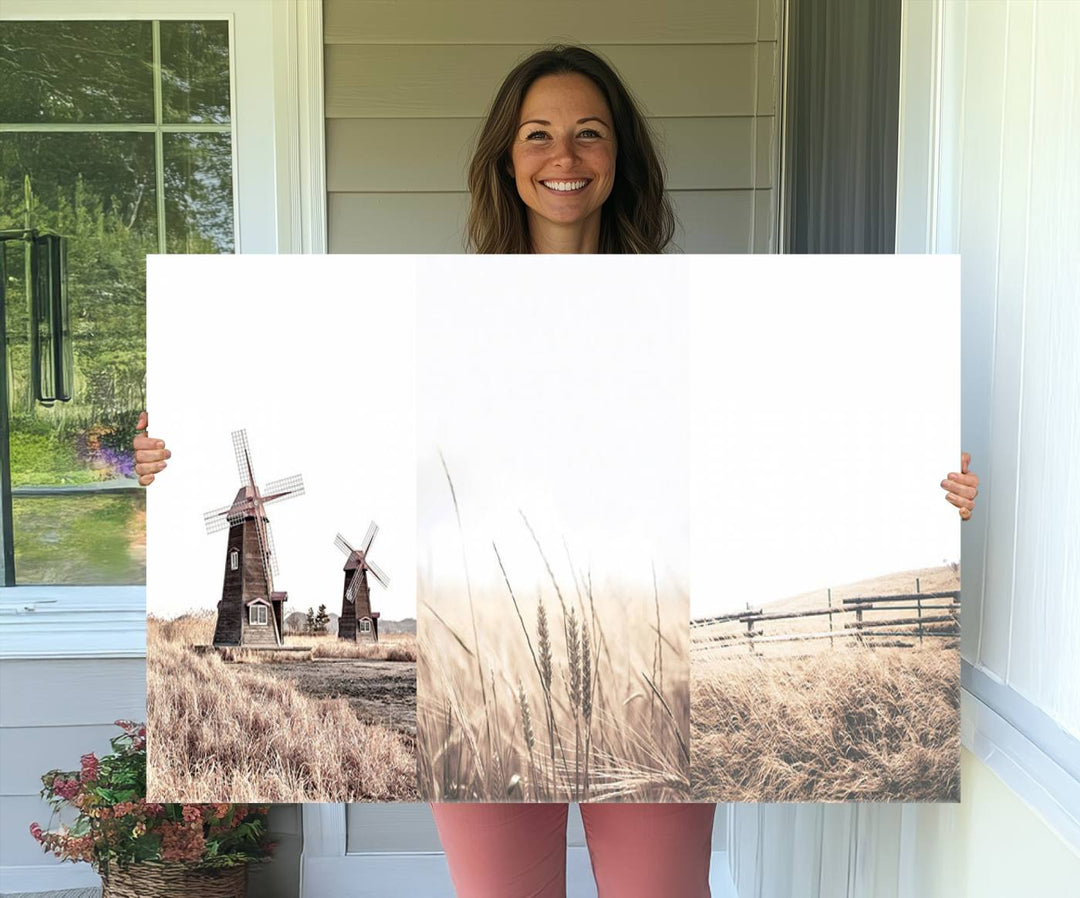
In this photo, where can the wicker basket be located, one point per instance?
(162, 880)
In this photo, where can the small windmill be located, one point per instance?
(357, 621)
(250, 611)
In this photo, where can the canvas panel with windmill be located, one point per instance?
(281, 658)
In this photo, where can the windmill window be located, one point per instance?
(365, 625)
(257, 615)
(234, 560)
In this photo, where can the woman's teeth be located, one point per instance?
(564, 186)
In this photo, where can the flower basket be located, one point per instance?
(146, 849)
(167, 880)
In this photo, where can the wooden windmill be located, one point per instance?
(250, 611)
(358, 622)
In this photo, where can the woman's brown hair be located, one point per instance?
(637, 216)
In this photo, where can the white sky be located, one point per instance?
(314, 357)
(559, 386)
(826, 411)
(815, 399)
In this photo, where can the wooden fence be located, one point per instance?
(936, 615)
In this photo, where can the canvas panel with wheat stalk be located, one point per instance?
(553, 532)
(825, 661)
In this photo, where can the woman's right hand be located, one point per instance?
(150, 454)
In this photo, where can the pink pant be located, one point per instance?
(519, 850)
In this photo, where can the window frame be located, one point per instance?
(257, 614)
(276, 108)
(276, 97)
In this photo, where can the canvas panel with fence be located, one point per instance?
(825, 628)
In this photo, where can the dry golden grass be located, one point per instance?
(854, 724)
(198, 629)
(222, 733)
(567, 697)
(391, 647)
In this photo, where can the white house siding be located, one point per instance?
(407, 85)
(987, 169)
(54, 711)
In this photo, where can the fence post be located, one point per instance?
(830, 618)
(918, 602)
(858, 623)
(750, 634)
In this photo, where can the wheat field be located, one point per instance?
(226, 732)
(577, 694)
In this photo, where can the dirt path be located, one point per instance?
(377, 691)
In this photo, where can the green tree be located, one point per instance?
(309, 627)
(321, 620)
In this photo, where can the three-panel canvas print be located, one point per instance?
(534, 529)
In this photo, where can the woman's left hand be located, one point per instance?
(961, 487)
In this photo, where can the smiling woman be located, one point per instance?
(565, 163)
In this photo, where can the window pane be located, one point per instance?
(98, 191)
(76, 72)
(81, 540)
(198, 193)
(195, 71)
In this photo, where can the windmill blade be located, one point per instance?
(271, 551)
(266, 552)
(373, 528)
(285, 488)
(343, 544)
(380, 575)
(243, 457)
(354, 585)
(216, 520)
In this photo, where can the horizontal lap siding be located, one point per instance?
(408, 83)
(53, 712)
(530, 23)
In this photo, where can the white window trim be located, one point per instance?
(254, 618)
(41, 622)
(363, 621)
(234, 559)
(277, 93)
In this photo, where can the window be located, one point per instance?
(118, 136)
(257, 614)
(365, 625)
(234, 560)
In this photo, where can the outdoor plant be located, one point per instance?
(116, 825)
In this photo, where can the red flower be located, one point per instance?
(65, 788)
(89, 768)
(192, 814)
(36, 831)
(181, 842)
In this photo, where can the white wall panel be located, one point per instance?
(1045, 636)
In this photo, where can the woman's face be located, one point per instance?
(563, 154)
